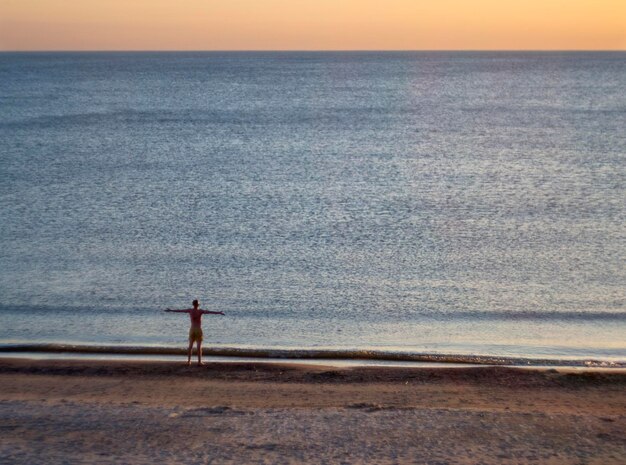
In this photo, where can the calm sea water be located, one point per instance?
(469, 203)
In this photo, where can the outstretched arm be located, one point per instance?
(177, 311)
(205, 312)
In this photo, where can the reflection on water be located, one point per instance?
(471, 202)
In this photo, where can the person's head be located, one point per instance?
(195, 303)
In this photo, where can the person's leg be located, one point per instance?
(199, 352)
(189, 351)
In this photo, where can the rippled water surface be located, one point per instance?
(459, 202)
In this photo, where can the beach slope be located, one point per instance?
(154, 412)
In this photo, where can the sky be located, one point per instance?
(312, 25)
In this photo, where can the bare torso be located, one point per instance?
(195, 315)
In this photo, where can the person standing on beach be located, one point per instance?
(195, 332)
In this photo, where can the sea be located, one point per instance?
(456, 206)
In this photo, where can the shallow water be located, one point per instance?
(465, 203)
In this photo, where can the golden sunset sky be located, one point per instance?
(312, 24)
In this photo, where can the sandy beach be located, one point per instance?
(154, 412)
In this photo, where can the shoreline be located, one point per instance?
(338, 363)
(136, 412)
(301, 354)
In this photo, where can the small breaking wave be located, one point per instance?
(310, 354)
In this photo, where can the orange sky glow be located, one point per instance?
(312, 25)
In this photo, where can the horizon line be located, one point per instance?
(305, 50)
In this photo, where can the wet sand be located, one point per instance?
(77, 411)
